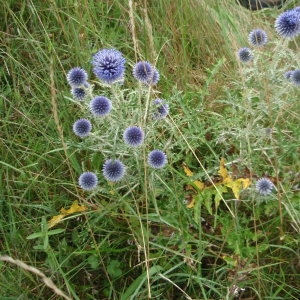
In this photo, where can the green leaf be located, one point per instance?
(43, 233)
(134, 288)
(114, 269)
(218, 196)
(93, 261)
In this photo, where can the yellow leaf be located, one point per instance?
(237, 185)
(223, 171)
(200, 185)
(75, 207)
(187, 171)
(55, 220)
(206, 192)
(191, 204)
(245, 182)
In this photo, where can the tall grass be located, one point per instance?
(139, 239)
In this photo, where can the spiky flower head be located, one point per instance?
(245, 55)
(100, 106)
(288, 74)
(287, 24)
(88, 181)
(109, 65)
(133, 136)
(143, 71)
(295, 77)
(155, 78)
(78, 93)
(258, 37)
(264, 186)
(82, 127)
(113, 170)
(162, 109)
(77, 77)
(157, 159)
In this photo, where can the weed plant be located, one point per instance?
(139, 237)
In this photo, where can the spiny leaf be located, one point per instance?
(218, 195)
(207, 196)
(237, 185)
(207, 191)
(200, 185)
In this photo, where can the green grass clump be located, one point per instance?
(139, 238)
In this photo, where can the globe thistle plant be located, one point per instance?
(78, 93)
(77, 77)
(133, 136)
(155, 78)
(143, 71)
(157, 159)
(258, 38)
(100, 106)
(264, 186)
(295, 77)
(82, 127)
(113, 170)
(88, 181)
(287, 24)
(245, 55)
(162, 109)
(109, 65)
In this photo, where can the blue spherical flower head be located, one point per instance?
(245, 55)
(133, 136)
(264, 186)
(100, 106)
(88, 181)
(155, 78)
(143, 72)
(297, 9)
(258, 38)
(78, 93)
(77, 77)
(109, 65)
(82, 127)
(157, 159)
(295, 77)
(162, 109)
(288, 24)
(113, 170)
(288, 74)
